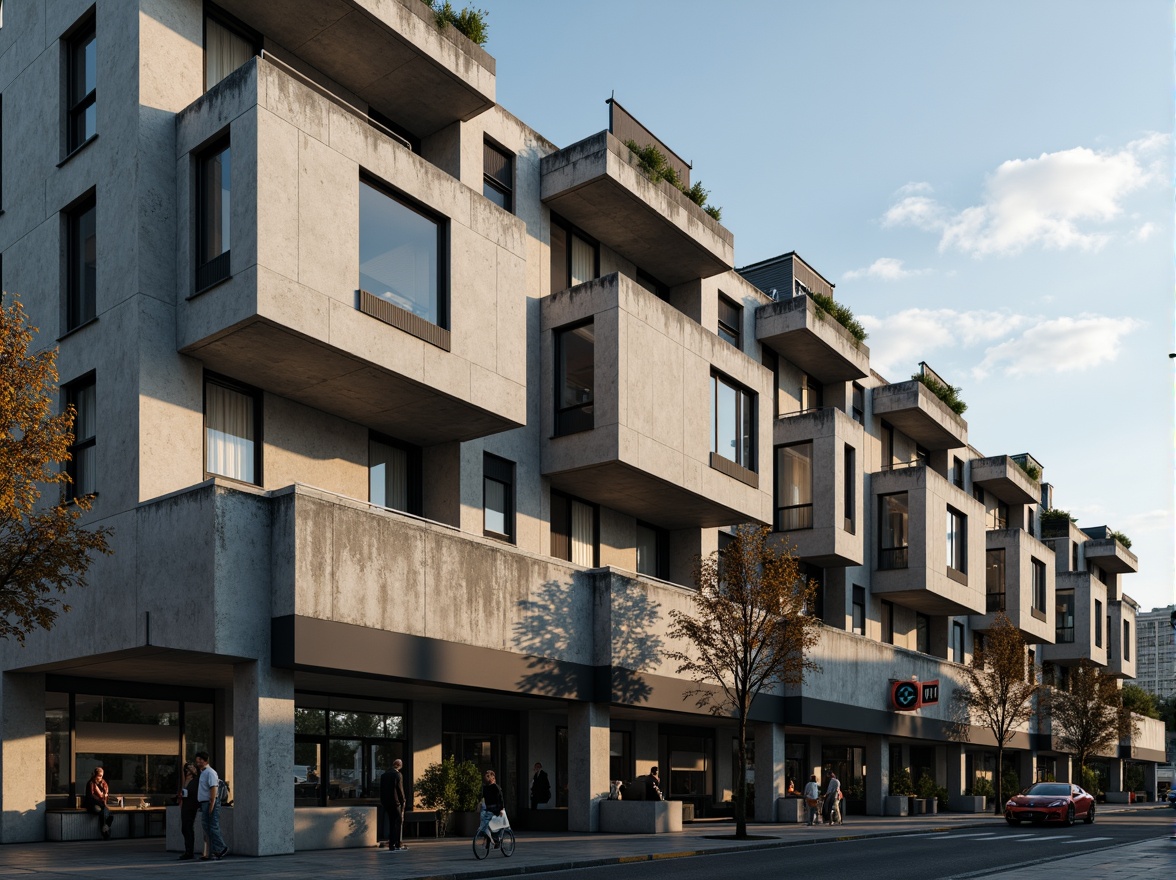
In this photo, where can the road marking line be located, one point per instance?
(1090, 839)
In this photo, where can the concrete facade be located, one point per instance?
(291, 621)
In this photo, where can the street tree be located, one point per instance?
(751, 630)
(1089, 717)
(44, 549)
(997, 693)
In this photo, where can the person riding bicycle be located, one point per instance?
(493, 805)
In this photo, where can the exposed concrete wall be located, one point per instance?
(263, 740)
(22, 758)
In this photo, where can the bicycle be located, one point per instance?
(495, 832)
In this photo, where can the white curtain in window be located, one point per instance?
(228, 432)
(388, 476)
(583, 534)
(224, 52)
(583, 261)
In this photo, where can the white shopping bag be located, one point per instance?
(497, 823)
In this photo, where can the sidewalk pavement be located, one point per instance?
(452, 858)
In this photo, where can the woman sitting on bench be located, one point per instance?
(95, 799)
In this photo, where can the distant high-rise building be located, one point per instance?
(1155, 654)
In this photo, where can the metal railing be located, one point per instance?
(794, 517)
(890, 558)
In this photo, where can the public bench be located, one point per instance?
(79, 824)
(640, 817)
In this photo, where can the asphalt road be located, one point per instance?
(953, 854)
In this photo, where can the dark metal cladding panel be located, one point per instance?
(624, 126)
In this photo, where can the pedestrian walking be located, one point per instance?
(208, 797)
(540, 787)
(812, 799)
(392, 797)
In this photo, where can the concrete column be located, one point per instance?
(877, 773)
(1149, 779)
(955, 765)
(1026, 768)
(263, 746)
(587, 764)
(22, 758)
(1115, 767)
(770, 782)
(425, 743)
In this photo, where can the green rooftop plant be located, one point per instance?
(1122, 539)
(1052, 515)
(949, 394)
(841, 314)
(656, 167)
(1032, 471)
(471, 21)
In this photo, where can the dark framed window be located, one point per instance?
(794, 486)
(498, 497)
(575, 359)
(647, 281)
(81, 262)
(994, 579)
(1110, 638)
(922, 456)
(227, 45)
(859, 610)
(1098, 623)
(893, 534)
(957, 641)
(725, 540)
(1074, 557)
(922, 633)
(80, 394)
(849, 486)
(1039, 585)
(81, 86)
(401, 254)
(887, 446)
(957, 473)
(1064, 617)
(812, 393)
(498, 176)
(394, 474)
(730, 321)
(653, 551)
(232, 430)
(575, 527)
(997, 515)
(858, 411)
(340, 754)
(957, 541)
(213, 220)
(888, 622)
(732, 422)
(1127, 640)
(575, 257)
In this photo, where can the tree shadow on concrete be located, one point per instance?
(589, 639)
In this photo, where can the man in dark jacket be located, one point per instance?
(392, 797)
(540, 787)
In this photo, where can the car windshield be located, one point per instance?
(1049, 789)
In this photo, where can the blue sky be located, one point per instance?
(988, 185)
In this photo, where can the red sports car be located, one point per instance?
(1050, 802)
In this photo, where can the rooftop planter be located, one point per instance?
(841, 314)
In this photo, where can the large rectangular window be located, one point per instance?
(859, 610)
(81, 467)
(849, 497)
(794, 487)
(858, 409)
(394, 474)
(957, 541)
(81, 94)
(231, 442)
(1039, 587)
(1127, 640)
(653, 551)
(892, 533)
(575, 258)
(575, 358)
(1064, 617)
(730, 321)
(498, 176)
(887, 622)
(574, 530)
(400, 249)
(226, 47)
(498, 497)
(994, 579)
(213, 186)
(1098, 623)
(81, 263)
(732, 422)
(957, 641)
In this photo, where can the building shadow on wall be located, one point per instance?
(590, 647)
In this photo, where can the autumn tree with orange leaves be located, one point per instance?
(44, 549)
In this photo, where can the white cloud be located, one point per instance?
(1068, 199)
(1144, 232)
(884, 269)
(1059, 345)
(898, 342)
(1005, 342)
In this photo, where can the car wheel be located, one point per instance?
(1070, 815)
(1090, 815)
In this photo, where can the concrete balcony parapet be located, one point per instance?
(1022, 554)
(801, 332)
(915, 410)
(597, 185)
(1088, 638)
(1005, 479)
